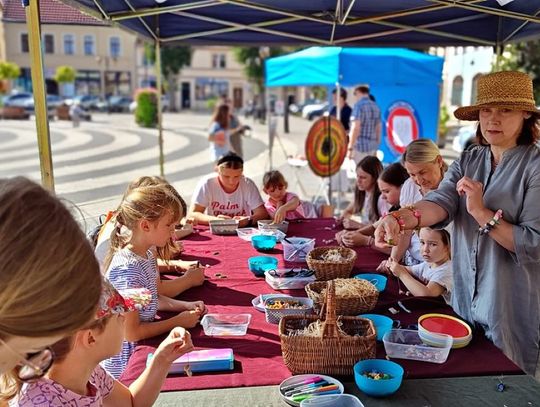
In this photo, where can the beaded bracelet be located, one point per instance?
(416, 214)
(399, 220)
(491, 223)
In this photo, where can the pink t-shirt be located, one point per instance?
(298, 213)
(47, 393)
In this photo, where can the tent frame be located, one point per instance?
(341, 16)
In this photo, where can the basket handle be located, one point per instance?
(330, 328)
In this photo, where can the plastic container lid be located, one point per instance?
(332, 400)
(444, 324)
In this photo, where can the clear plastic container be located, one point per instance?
(295, 249)
(247, 233)
(223, 226)
(225, 324)
(407, 344)
(268, 224)
(332, 400)
(278, 282)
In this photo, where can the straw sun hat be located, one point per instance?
(512, 90)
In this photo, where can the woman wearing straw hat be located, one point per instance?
(492, 193)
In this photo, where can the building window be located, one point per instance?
(89, 45)
(24, 43)
(114, 47)
(210, 88)
(474, 88)
(48, 40)
(69, 44)
(457, 91)
(219, 61)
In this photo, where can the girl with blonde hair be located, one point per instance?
(49, 283)
(150, 213)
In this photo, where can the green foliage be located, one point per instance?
(146, 114)
(211, 103)
(65, 74)
(443, 120)
(252, 60)
(9, 70)
(319, 92)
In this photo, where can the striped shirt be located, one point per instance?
(129, 270)
(369, 115)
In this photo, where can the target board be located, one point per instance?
(326, 146)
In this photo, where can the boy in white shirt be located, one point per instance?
(228, 195)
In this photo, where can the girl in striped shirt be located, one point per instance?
(150, 213)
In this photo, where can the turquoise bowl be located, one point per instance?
(258, 265)
(263, 242)
(378, 280)
(383, 324)
(378, 388)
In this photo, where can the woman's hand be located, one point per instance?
(177, 343)
(387, 233)
(383, 267)
(354, 238)
(473, 190)
(348, 223)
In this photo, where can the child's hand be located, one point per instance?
(352, 239)
(383, 267)
(280, 215)
(179, 246)
(396, 268)
(198, 306)
(348, 223)
(194, 276)
(177, 343)
(339, 236)
(187, 319)
(243, 221)
(223, 217)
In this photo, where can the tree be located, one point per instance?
(253, 60)
(65, 74)
(9, 71)
(173, 59)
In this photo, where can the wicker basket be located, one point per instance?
(325, 270)
(274, 315)
(346, 305)
(331, 353)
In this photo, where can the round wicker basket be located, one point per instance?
(329, 270)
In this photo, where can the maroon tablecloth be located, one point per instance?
(258, 358)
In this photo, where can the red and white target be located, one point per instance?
(402, 126)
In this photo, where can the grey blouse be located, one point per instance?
(493, 287)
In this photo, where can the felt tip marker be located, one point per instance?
(302, 382)
(306, 387)
(307, 396)
(318, 390)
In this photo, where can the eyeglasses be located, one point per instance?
(33, 365)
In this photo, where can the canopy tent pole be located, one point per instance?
(33, 22)
(159, 108)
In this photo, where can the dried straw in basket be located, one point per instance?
(342, 342)
(331, 262)
(353, 296)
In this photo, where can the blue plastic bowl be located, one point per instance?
(259, 264)
(382, 323)
(378, 280)
(378, 388)
(263, 242)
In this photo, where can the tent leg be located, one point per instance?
(159, 108)
(33, 22)
(270, 129)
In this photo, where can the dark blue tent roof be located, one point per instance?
(412, 23)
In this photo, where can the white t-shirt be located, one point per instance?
(241, 202)
(441, 275)
(409, 195)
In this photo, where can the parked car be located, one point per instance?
(17, 99)
(118, 104)
(310, 112)
(87, 102)
(465, 138)
(164, 104)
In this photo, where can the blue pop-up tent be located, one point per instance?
(405, 83)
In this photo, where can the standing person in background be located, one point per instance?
(219, 133)
(345, 113)
(365, 131)
(236, 129)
